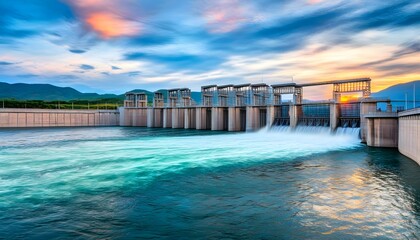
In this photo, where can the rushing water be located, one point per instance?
(125, 183)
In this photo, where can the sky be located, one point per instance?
(119, 45)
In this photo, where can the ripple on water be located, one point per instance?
(123, 183)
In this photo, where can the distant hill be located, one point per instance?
(397, 92)
(48, 92)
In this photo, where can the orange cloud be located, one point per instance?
(106, 17)
(109, 25)
(224, 16)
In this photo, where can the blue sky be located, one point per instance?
(119, 45)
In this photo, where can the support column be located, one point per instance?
(216, 119)
(177, 118)
(167, 118)
(295, 111)
(365, 108)
(121, 110)
(234, 119)
(157, 120)
(189, 118)
(150, 117)
(252, 119)
(199, 124)
(270, 116)
(334, 116)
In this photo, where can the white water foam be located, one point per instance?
(64, 167)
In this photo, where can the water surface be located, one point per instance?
(162, 183)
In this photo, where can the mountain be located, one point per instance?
(397, 92)
(48, 92)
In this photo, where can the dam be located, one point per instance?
(71, 174)
(247, 107)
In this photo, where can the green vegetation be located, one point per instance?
(111, 103)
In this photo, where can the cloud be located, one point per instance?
(27, 76)
(178, 62)
(151, 40)
(195, 42)
(109, 25)
(78, 51)
(18, 20)
(86, 67)
(225, 16)
(107, 18)
(133, 73)
(389, 15)
(406, 49)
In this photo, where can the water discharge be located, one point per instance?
(66, 162)
(139, 182)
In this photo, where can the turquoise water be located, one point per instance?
(124, 183)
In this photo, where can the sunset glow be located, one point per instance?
(123, 45)
(109, 25)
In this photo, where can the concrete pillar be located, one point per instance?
(150, 117)
(177, 117)
(270, 116)
(334, 116)
(234, 119)
(199, 118)
(158, 115)
(216, 119)
(365, 108)
(167, 118)
(295, 111)
(252, 118)
(126, 118)
(189, 118)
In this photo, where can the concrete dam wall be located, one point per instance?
(21, 118)
(409, 134)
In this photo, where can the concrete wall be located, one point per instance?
(365, 109)
(136, 117)
(200, 118)
(57, 118)
(189, 118)
(409, 134)
(234, 119)
(252, 118)
(178, 118)
(382, 132)
(217, 115)
(155, 117)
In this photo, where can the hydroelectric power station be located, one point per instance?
(248, 107)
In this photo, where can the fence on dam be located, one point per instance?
(20, 118)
